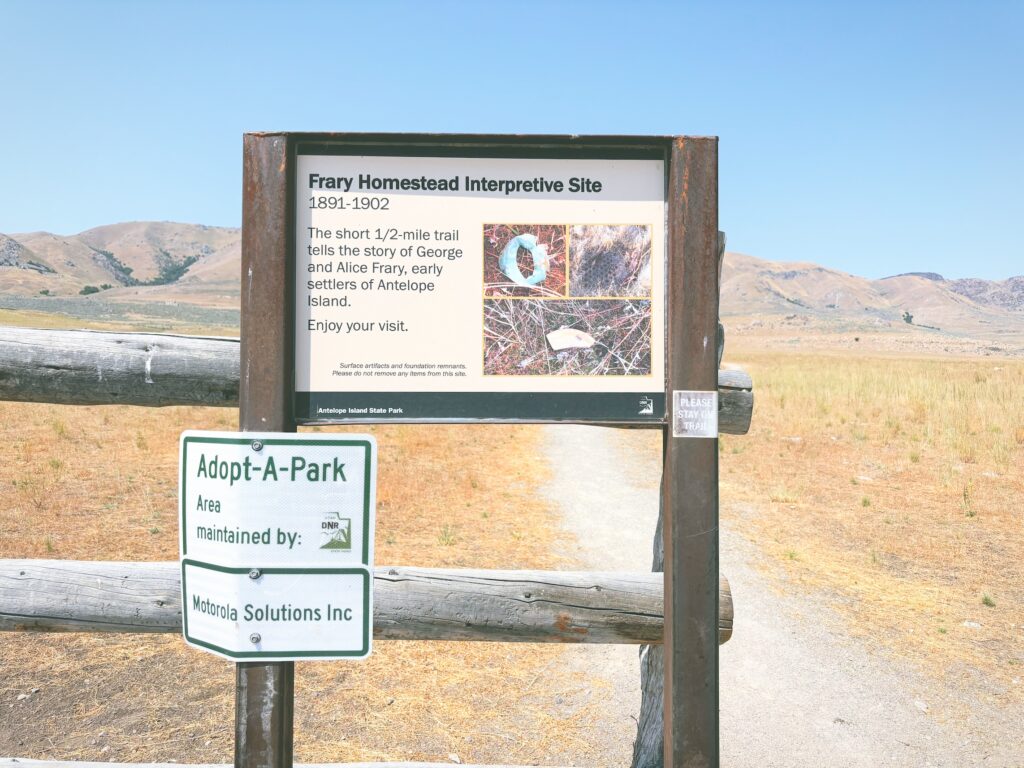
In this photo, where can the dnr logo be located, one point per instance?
(336, 532)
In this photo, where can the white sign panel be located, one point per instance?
(448, 287)
(277, 499)
(278, 614)
(277, 544)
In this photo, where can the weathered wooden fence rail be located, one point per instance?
(98, 368)
(409, 603)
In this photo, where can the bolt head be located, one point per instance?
(254, 638)
(257, 445)
(255, 573)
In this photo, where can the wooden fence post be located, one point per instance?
(264, 693)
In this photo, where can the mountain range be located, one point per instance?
(132, 261)
(196, 264)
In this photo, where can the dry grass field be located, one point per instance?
(888, 486)
(892, 488)
(100, 483)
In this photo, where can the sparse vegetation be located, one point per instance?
(447, 536)
(782, 496)
(39, 267)
(98, 313)
(88, 290)
(170, 271)
(965, 501)
(947, 483)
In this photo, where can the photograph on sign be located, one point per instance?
(444, 287)
(546, 337)
(277, 614)
(260, 499)
(525, 260)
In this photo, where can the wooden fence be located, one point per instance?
(93, 368)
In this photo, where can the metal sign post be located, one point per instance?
(690, 480)
(265, 693)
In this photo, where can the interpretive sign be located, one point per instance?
(437, 285)
(277, 543)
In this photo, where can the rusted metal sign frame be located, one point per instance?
(265, 692)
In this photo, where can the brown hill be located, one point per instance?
(808, 295)
(752, 285)
(155, 250)
(155, 260)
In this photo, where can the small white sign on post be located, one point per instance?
(277, 544)
(694, 414)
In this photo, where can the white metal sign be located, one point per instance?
(694, 414)
(278, 614)
(276, 536)
(277, 499)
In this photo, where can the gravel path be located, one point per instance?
(794, 690)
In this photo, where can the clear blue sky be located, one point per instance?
(872, 137)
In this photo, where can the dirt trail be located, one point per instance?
(795, 691)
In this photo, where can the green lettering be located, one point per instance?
(270, 468)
